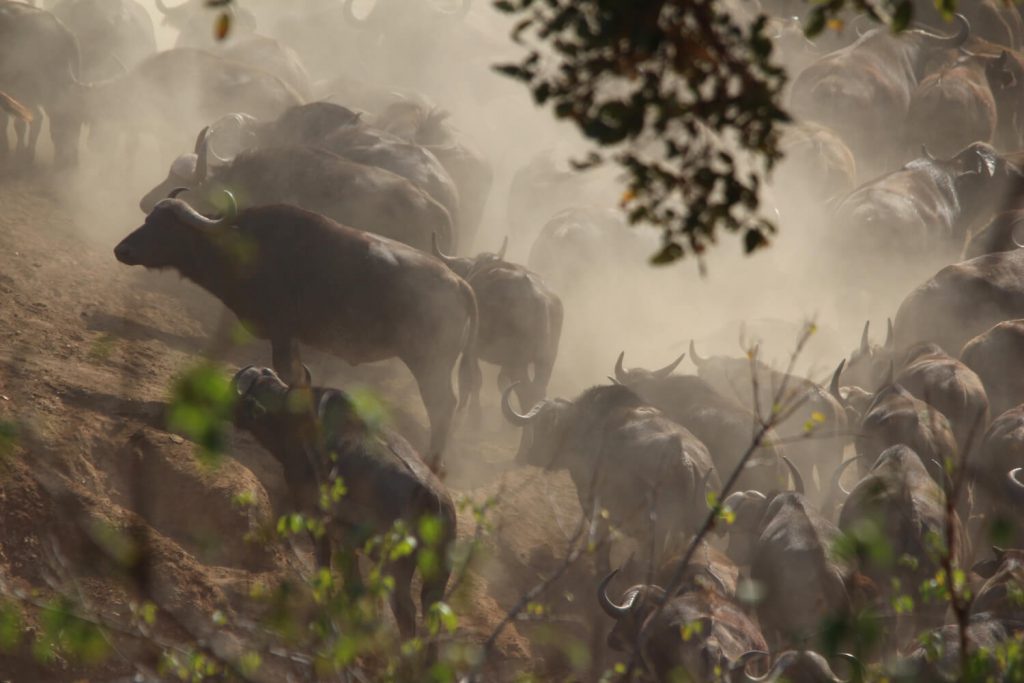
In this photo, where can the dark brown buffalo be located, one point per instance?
(995, 356)
(906, 508)
(725, 427)
(341, 131)
(863, 91)
(1005, 232)
(422, 123)
(696, 636)
(952, 388)
(787, 543)
(952, 107)
(963, 300)
(293, 277)
(803, 666)
(113, 35)
(40, 68)
(520, 322)
(362, 197)
(625, 458)
(894, 417)
(924, 209)
(319, 437)
(817, 425)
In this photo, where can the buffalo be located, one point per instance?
(294, 276)
(520, 322)
(319, 438)
(990, 354)
(362, 197)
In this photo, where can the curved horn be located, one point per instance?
(173, 194)
(189, 215)
(667, 370)
(511, 415)
(741, 662)
(1015, 478)
(955, 40)
(833, 386)
(169, 11)
(448, 260)
(890, 339)
(607, 606)
(504, 248)
(857, 669)
(798, 481)
(620, 373)
(927, 155)
(837, 477)
(245, 379)
(864, 345)
(1013, 234)
(694, 356)
(202, 147)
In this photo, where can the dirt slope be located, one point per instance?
(88, 349)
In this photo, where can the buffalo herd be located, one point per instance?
(340, 214)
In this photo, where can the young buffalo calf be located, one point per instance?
(319, 437)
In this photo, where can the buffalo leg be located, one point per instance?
(34, 129)
(401, 597)
(287, 362)
(434, 379)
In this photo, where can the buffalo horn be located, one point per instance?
(890, 339)
(448, 260)
(168, 11)
(620, 372)
(925, 153)
(890, 375)
(202, 148)
(610, 608)
(798, 481)
(856, 668)
(955, 40)
(511, 415)
(1016, 483)
(245, 379)
(740, 665)
(189, 215)
(864, 347)
(694, 356)
(173, 194)
(837, 478)
(504, 248)
(833, 386)
(667, 370)
(1013, 234)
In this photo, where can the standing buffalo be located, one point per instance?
(362, 197)
(989, 355)
(624, 457)
(900, 500)
(520, 322)
(725, 427)
(319, 437)
(40, 68)
(294, 276)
